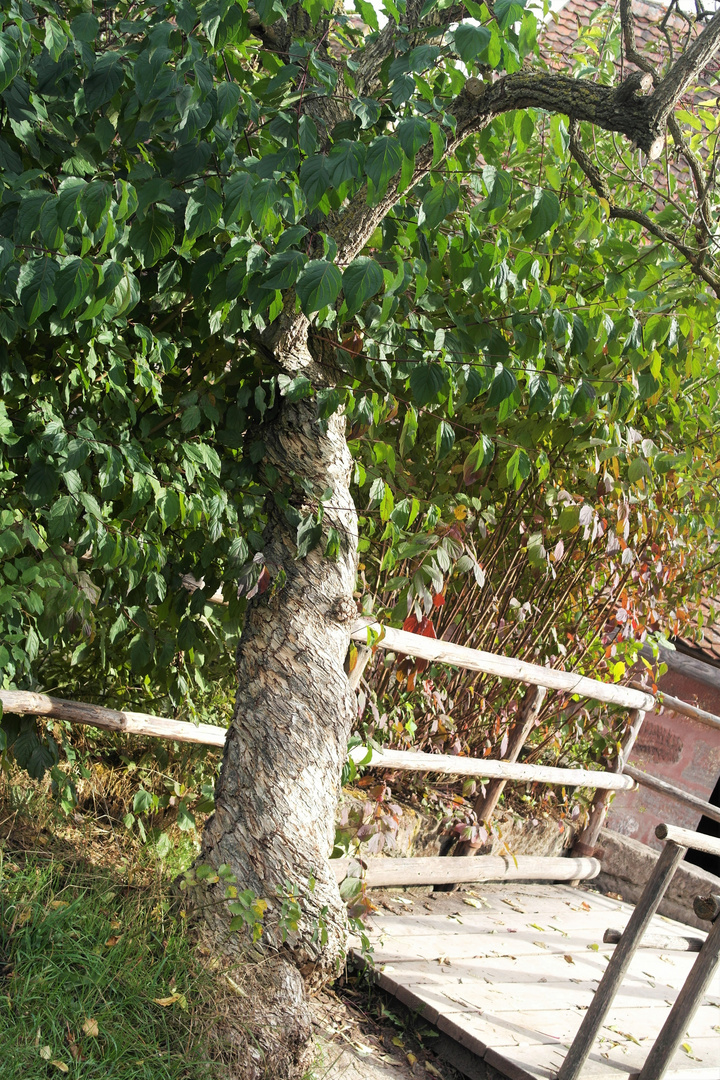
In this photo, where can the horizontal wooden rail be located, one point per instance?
(686, 838)
(663, 942)
(654, 784)
(79, 712)
(505, 667)
(490, 768)
(436, 870)
(686, 709)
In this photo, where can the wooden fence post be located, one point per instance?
(670, 857)
(685, 1007)
(586, 841)
(519, 733)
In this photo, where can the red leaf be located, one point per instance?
(410, 624)
(438, 600)
(426, 628)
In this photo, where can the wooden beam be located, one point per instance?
(486, 803)
(685, 665)
(707, 907)
(505, 667)
(652, 782)
(79, 712)
(437, 870)
(695, 840)
(586, 841)
(685, 1006)
(662, 942)
(409, 761)
(670, 858)
(684, 708)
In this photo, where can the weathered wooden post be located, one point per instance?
(691, 995)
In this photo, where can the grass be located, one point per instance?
(97, 978)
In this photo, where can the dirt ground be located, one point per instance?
(371, 1037)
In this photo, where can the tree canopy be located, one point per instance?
(180, 178)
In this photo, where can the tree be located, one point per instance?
(227, 230)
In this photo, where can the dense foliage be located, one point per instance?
(529, 381)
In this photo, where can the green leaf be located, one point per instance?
(318, 285)
(36, 290)
(69, 195)
(55, 38)
(104, 80)
(152, 237)
(367, 13)
(440, 201)
(502, 387)
(315, 179)
(362, 280)
(73, 283)
(384, 158)
(203, 210)
(366, 109)
(470, 41)
(638, 470)
(508, 12)
(498, 185)
(413, 134)
(545, 213)
(481, 455)
(409, 431)
(427, 382)
(283, 269)
(41, 483)
(95, 201)
(309, 534)
(203, 455)
(85, 27)
(62, 515)
(9, 61)
(346, 162)
(518, 468)
(444, 440)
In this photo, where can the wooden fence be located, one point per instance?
(620, 777)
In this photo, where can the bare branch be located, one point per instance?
(591, 171)
(684, 72)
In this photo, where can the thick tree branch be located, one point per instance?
(374, 53)
(685, 71)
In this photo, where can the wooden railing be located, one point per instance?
(620, 777)
(677, 842)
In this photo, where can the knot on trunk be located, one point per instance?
(343, 609)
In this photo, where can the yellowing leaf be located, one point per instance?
(60, 1065)
(460, 513)
(90, 1027)
(432, 1070)
(113, 940)
(397, 1041)
(58, 903)
(167, 1000)
(472, 903)
(45, 1053)
(411, 1059)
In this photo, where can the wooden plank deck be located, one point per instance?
(506, 970)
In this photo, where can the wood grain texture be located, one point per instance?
(504, 770)
(435, 869)
(80, 712)
(689, 839)
(505, 667)
(654, 783)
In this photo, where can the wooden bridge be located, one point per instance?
(525, 978)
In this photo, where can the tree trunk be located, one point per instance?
(280, 778)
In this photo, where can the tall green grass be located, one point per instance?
(84, 962)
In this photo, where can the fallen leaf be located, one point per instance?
(397, 1041)
(411, 1059)
(614, 896)
(45, 1053)
(58, 904)
(113, 940)
(60, 1065)
(568, 959)
(90, 1027)
(167, 1000)
(585, 906)
(432, 1070)
(594, 948)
